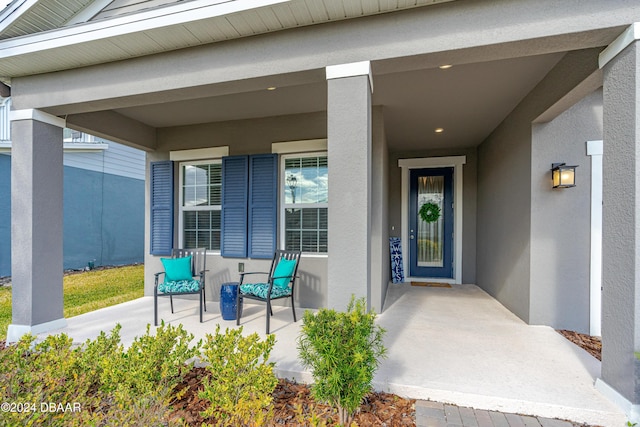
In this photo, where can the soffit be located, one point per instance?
(24, 17)
(164, 27)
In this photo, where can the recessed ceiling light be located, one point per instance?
(438, 130)
(271, 88)
(445, 66)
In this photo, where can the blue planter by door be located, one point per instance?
(228, 300)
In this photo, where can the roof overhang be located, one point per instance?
(171, 27)
(123, 28)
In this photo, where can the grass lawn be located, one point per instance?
(88, 291)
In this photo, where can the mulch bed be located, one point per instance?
(593, 345)
(290, 399)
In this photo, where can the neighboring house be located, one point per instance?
(103, 200)
(328, 125)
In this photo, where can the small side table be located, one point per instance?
(228, 300)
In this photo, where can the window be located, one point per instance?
(305, 203)
(200, 198)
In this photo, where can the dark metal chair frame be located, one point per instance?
(198, 270)
(289, 255)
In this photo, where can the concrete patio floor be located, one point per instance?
(453, 345)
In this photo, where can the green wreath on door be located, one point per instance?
(429, 212)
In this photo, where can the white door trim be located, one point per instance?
(434, 162)
(595, 149)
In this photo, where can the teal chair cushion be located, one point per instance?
(179, 286)
(261, 289)
(177, 269)
(284, 270)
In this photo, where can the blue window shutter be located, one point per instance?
(263, 205)
(235, 181)
(161, 207)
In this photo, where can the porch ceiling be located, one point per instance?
(468, 101)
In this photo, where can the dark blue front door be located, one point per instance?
(431, 223)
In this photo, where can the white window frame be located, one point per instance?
(181, 207)
(283, 206)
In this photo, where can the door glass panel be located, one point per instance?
(430, 222)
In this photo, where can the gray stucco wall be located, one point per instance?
(503, 257)
(505, 187)
(380, 262)
(36, 223)
(349, 229)
(244, 137)
(469, 194)
(560, 218)
(103, 218)
(620, 228)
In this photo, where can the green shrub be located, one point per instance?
(53, 383)
(306, 416)
(33, 377)
(241, 383)
(342, 349)
(139, 381)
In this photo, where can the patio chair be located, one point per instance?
(280, 283)
(184, 274)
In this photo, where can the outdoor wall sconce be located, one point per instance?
(563, 176)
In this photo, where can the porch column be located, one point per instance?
(349, 148)
(621, 223)
(36, 223)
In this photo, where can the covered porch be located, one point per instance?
(453, 345)
(515, 86)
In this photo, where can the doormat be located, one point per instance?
(431, 284)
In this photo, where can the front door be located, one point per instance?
(431, 222)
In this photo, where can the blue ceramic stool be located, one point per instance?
(228, 300)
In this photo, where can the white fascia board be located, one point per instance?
(40, 116)
(630, 35)
(129, 24)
